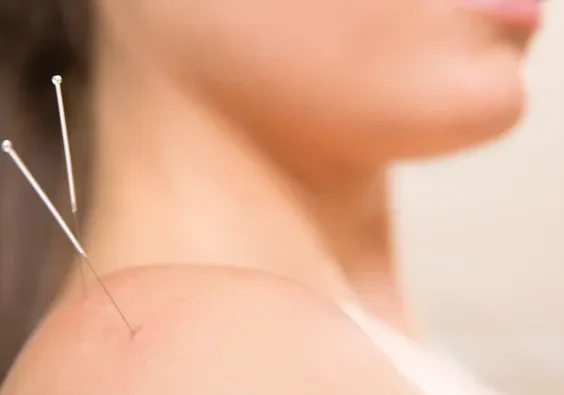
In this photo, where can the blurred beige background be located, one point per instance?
(481, 238)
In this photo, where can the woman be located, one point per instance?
(236, 192)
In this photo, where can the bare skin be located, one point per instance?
(201, 330)
(239, 189)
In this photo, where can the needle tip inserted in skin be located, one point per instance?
(9, 149)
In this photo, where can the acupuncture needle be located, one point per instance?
(57, 81)
(9, 149)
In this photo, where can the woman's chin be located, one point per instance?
(461, 120)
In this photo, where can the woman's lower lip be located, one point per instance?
(521, 14)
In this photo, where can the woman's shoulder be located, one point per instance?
(198, 329)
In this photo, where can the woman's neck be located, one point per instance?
(173, 183)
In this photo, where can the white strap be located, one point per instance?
(430, 373)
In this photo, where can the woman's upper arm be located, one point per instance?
(198, 331)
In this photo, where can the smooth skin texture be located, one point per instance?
(251, 137)
(205, 331)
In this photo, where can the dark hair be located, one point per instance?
(38, 39)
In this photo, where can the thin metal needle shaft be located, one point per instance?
(8, 148)
(57, 81)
